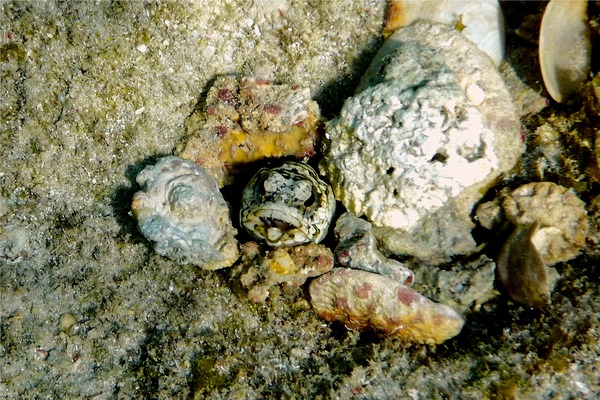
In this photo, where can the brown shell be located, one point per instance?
(522, 272)
(364, 300)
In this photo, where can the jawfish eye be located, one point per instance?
(311, 200)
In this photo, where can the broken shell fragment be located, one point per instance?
(550, 226)
(181, 211)
(357, 249)
(561, 215)
(565, 47)
(479, 20)
(522, 271)
(288, 265)
(362, 300)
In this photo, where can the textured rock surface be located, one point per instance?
(561, 215)
(249, 119)
(292, 266)
(182, 213)
(425, 134)
(465, 287)
(92, 92)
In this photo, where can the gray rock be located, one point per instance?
(182, 212)
(357, 249)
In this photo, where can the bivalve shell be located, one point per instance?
(565, 47)
(479, 20)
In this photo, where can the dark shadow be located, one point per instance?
(122, 195)
(332, 95)
(522, 21)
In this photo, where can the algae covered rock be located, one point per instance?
(182, 212)
(249, 119)
(430, 128)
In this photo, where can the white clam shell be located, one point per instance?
(479, 20)
(565, 47)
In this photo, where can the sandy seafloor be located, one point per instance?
(91, 92)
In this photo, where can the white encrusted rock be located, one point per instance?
(430, 127)
(182, 212)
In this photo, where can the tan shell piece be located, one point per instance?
(362, 300)
(522, 271)
(560, 214)
(565, 47)
(479, 20)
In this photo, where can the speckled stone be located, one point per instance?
(364, 300)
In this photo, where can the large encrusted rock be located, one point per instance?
(430, 128)
(182, 212)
